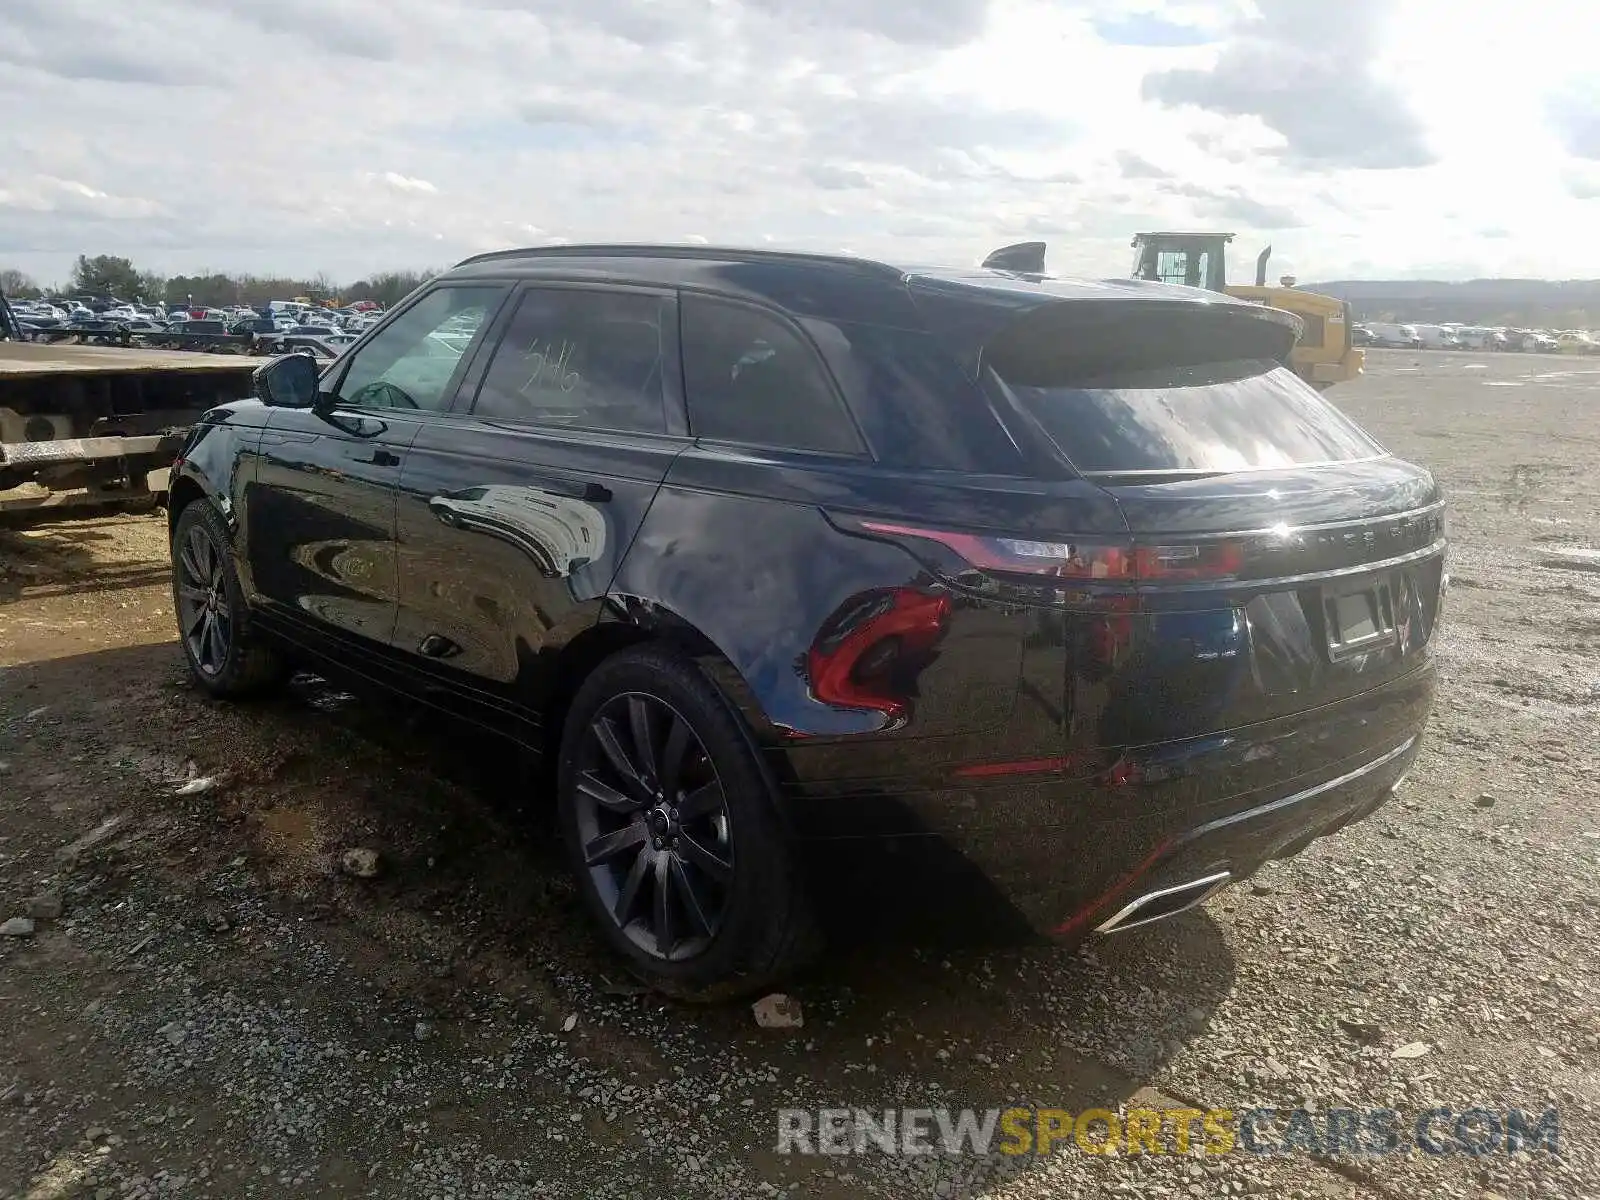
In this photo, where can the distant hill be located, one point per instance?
(1539, 303)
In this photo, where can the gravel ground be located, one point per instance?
(219, 1009)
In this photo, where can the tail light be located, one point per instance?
(1111, 562)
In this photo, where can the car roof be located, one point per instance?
(672, 263)
(839, 287)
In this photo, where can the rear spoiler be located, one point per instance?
(1110, 323)
(1056, 343)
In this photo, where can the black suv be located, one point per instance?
(1070, 587)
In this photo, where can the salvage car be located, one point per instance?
(1074, 587)
(1475, 337)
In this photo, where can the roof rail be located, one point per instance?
(721, 253)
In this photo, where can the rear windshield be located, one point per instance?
(1247, 414)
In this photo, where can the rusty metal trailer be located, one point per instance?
(100, 424)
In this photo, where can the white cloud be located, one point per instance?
(69, 197)
(404, 183)
(350, 137)
(1311, 73)
(1575, 110)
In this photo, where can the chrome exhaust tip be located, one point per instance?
(1168, 902)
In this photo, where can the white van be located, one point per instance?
(1437, 337)
(1401, 337)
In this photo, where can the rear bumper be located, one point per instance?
(1064, 857)
(1202, 860)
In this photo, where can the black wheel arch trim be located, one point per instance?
(192, 480)
(657, 623)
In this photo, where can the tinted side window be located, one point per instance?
(750, 379)
(410, 362)
(584, 358)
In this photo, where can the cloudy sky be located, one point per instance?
(1362, 138)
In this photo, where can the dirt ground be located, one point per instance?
(219, 1010)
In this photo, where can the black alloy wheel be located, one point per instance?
(204, 614)
(674, 829)
(225, 656)
(653, 826)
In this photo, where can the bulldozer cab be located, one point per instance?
(1323, 356)
(1196, 260)
(1191, 259)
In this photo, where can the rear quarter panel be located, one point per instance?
(738, 547)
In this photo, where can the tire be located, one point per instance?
(653, 849)
(225, 655)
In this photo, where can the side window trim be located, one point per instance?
(674, 416)
(819, 362)
(482, 351)
(468, 357)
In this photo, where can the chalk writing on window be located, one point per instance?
(549, 362)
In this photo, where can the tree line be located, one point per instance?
(110, 275)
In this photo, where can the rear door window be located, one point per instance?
(751, 379)
(583, 358)
(1240, 415)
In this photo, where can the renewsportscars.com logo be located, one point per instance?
(1040, 1131)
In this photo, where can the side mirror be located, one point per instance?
(287, 382)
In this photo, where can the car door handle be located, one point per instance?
(381, 458)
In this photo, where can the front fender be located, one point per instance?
(218, 464)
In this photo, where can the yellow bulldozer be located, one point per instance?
(1324, 354)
